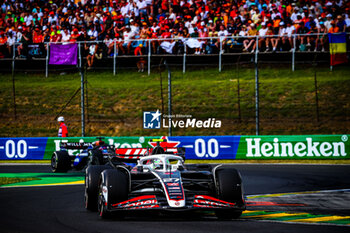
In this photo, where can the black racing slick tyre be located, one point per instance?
(113, 188)
(229, 188)
(60, 161)
(95, 157)
(92, 176)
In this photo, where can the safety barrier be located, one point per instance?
(282, 147)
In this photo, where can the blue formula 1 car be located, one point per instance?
(95, 153)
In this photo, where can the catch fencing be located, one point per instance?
(181, 52)
(245, 95)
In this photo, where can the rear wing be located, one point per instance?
(134, 154)
(75, 145)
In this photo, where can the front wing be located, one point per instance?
(150, 202)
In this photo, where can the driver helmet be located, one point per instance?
(157, 164)
(98, 143)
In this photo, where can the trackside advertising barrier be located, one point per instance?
(282, 147)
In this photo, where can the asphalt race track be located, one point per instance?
(61, 208)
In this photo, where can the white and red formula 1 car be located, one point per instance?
(161, 181)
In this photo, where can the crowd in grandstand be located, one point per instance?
(234, 23)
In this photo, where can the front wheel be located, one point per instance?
(92, 176)
(229, 188)
(113, 188)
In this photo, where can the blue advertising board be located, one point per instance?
(208, 147)
(22, 148)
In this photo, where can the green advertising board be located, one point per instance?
(292, 147)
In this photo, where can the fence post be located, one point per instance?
(13, 81)
(114, 58)
(82, 99)
(256, 88)
(293, 54)
(316, 99)
(238, 91)
(169, 97)
(79, 51)
(184, 60)
(13, 58)
(47, 61)
(220, 52)
(256, 49)
(149, 57)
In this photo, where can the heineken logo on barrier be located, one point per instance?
(308, 148)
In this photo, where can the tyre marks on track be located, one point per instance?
(316, 207)
(291, 217)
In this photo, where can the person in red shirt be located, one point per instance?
(62, 131)
(141, 62)
(3, 40)
(74, 35)
(37, 35)
(55, 35)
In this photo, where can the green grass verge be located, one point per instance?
(26, 161)
(116, 103)
(13, 180)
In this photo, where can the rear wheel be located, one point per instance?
(113, 188)
(229, 188)
(92, 176)
(60, 161)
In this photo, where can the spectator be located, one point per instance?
(127, 36)
(74, 35)
(92, 52)
(250, 41)
(94, 20)
(66, 36)
(11, 40)
(262, 39)
(3, 46)
(109, 42)
(328, 22)
(203, 33)
(322, 36)
(313, 38)
(37, 35)
(341, 24)
(290, 31)
(141, 62)
(142, 6)
(334, 28)
(55, 35)
(25, 41)
(302, 30)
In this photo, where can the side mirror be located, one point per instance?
(139, 168)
